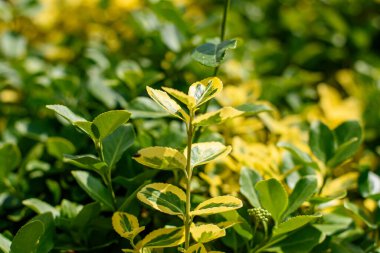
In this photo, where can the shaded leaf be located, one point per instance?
(27, 238)
(57, 147)
(321, 141)
(211, 54)
(248, 180)
(294, 223)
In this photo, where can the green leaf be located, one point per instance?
(5, 244)
(298, 154)
(66, 113)
(40, 206)
(205, 90)
(27, 238)
(143, 107)
(211, 54)
(253, 109)
(165, 198)
(13, 45)
(273, 197)
(218, 204)
(94, 188)
(86, 215)
(369, 184)
(117, 143)
(46, 241)
(304, 189)
(163, 238)
(161, 158)
(180, 96)
(126, 225)
(294, 223)
(248, 180)
(317, 200)
(206, 232)
(57, 147)
(10, 157)
(217, 117)
(360, 213)
(89, 162)
(107, 122)
(242, 227)
(205, 152)
(321, 141)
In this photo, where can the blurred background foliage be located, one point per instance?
(310, 59)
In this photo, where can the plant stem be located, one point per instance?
(187, 222)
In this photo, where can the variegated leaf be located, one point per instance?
(184, 98)
(294, 223)
(162, 98)
(217, 117)
(196, 248)
(162, 158)
(206, 232)
(202, 153)
(166, 198)
(218, 204)
(205, 90)
(126, 225)
(163, 238)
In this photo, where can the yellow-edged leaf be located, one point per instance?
(206, 232)
(217, 205)
(217, 117)
(184, 98)
(166, 198)
(196, 248)
(126, 225)
(205, 90)
(162, 158)
(162, 98)
(163, 238)
(206, 152)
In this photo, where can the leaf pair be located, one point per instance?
(171, 200)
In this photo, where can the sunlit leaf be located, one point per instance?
(126, 225)
(205, 152)
(205, 90)
(206, 232)
(196, 248)
(218, 204)
(294, 223)
(162, 158)
(179, 95)
(106, 123)
(211, 54)
(40, 206)
(163, 238)
(217, 117)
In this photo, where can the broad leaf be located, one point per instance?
(205, 152)
(106, 123)
(360, 213)
(321, 141)
(57, 147)
(117, 143)
(27, 238)
(196, 248)
(248, 180)
(303, 190)
(94, 188)
(273, 197)
(163, 238)
(10, 157)
(211, 54)
(205, 90)
(126, 225)
(66, 113)
(206, 232)
(166, 198)
(5, 244)
(40, 206)
(294, 223)
(369, 184)
(218, 204)
(162, 158)
(242, 227)
(297, 153)
(87, 162)
(253, 109)
(179, 95)
(217, 117)
(144, 107)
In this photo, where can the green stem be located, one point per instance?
(187, 222)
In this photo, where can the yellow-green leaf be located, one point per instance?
(184, 98)
(162, 158)
(294, 223)
(206, 232)
(126, 225)
(106, 123)
(205, 90)
(217, 117)
(162, 98)
(218, 204)
(206, 152)
(196, 248)
(166, 198)
(163, 238)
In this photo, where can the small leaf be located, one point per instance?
(321, 141)
(294, 223)
(196, 248)
(211, 54)
(217, 117)
(27, 238)
(163, 238)
(205, 90)
(206, 232)
(87, 162)
(107, 122)
(218, 204)
(162, 158)
(369, 184)
(115, 144)
(273, 197)
(296, 152)
(143, 107)
(243, 228)
(179, 95)
(5, 244)
(166, 198)
(94, 188)
(66, 113)
(317, 200)
(303, 190)
(163, 99)
(360, 213)
(10, 157)
(248, 180)
(205, 152)
(57, 147)
(40, 206)
(126, 225)
(253, 109)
